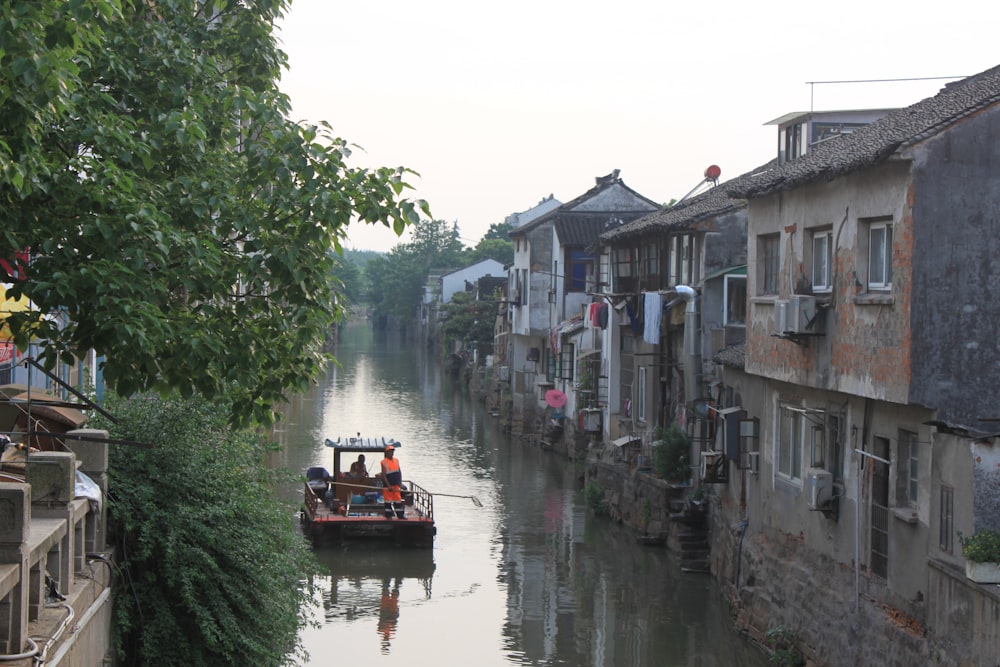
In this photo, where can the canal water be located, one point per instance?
(530, 577)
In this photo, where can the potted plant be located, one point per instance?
(982, 556)
(672, 455)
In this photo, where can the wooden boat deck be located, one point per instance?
(338, 507)
(334, 521)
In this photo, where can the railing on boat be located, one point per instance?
(311, 499)
(423, 500)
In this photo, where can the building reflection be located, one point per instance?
(581, 590)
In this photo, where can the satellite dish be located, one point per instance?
(713, 172)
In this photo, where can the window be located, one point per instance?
(768, 260)
(790, 142)
(564, 368)
(640, 395)
(650, 263)
(736, 300)
(907, 475)
(880, 255)
(789, 446)
(946, 520)
(817, 434)
(822, 261)
(623, 273)
(681, 264)
(578, 265)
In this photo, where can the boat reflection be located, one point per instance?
(366, 582)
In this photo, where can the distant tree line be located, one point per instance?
(392, 284)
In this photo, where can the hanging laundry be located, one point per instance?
(652, 309)
(593, 314)
(633, 317)
(602, 315)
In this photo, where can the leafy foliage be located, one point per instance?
(672, 454)
(782, 643)
(176, 220)
(469, 321)
(594, 497)
(499, 249)
(213, 561)
(397, 279)
(981, 547)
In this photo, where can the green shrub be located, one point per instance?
(982, 547)
(672, 454)
(213, 563)
(781, 641)
(594, 496)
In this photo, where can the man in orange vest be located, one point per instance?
(392, 480)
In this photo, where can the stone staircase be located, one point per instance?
(689, 536)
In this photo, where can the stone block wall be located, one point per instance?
(773, 580)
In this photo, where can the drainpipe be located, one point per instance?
(692, 343)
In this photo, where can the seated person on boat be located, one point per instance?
(358, 468)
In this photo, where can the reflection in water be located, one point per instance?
(366, 581)
(388, 613)
(529, 578)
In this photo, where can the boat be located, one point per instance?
(339, 506)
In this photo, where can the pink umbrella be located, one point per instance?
(555, 398)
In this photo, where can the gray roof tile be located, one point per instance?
(685, 214)
(874, 143)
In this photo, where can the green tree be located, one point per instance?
(213, 563)
(348, 279)
(436, 243)
(499, 249)
(398, 279)
(498, 230)
(175, 218)
(469, 321)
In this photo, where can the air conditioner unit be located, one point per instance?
(708, 461)
(819, 487)
(753, 462)
(590, 420)
(800, 312)
(780, 316)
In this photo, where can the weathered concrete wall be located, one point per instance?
(865, 349)
(775, 580)
(956, 234)
(780, 582)
(963, 624)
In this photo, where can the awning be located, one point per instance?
(627, 440)
(14, 403)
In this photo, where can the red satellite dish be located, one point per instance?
(713, 172)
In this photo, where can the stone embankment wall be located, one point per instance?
(839, 618)
(638, 500)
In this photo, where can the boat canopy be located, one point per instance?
(359, 444)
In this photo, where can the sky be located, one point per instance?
(497, 106)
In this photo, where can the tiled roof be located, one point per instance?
(733, 356)
(874, 143)
(582, 229)
(603, 183)
(689, 212)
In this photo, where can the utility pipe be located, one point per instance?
(692, 343)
